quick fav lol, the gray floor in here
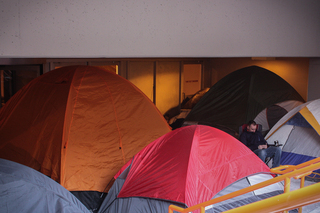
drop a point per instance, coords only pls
(313, 208)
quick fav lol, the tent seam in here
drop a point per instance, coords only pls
(75, 103)
(116, 118)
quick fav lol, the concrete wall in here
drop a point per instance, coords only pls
(176, 28)
(149, 28)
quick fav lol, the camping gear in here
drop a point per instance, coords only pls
(299, 132)
(23, 189)
(253, 196)
(240, 96)
(78, 125)
(190, 102)
(184, 167)
(272, 114)
(187, 104)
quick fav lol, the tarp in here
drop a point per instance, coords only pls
(23, 189)
(188, 166)
(78, 125)
(240, 96)
(299, 132)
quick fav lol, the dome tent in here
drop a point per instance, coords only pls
(22, 189)
(240, 96)
(299, 132)
(268, 117)
(247, 198)
(186, 166)
(78, 125)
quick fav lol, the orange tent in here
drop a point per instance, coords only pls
(78, 125)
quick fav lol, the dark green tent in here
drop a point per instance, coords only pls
(240, 96)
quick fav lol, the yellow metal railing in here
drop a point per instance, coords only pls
(286, 201)
(288, 171)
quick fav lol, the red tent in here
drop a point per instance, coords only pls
(188, 165)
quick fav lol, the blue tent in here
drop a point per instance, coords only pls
(23, 189)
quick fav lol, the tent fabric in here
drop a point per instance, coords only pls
(298, 131)
(91, 199)
(23, 189)
(190, 102)
(132, 204)
(256, 195)
(139, 205)
(188, 165)
(240, 96)
(183, 114)
(187, 104)
(78, 125)
(269, 116)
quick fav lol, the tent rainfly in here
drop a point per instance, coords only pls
(240, 96)
(253, 196)
(268, 117)
(186, 166)
(78, 125)
(23, 189)
(299, 132)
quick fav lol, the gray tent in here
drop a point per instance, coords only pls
(299, 132)
(254, 196)
(268, 117)
(23, 189)
(113, 204)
